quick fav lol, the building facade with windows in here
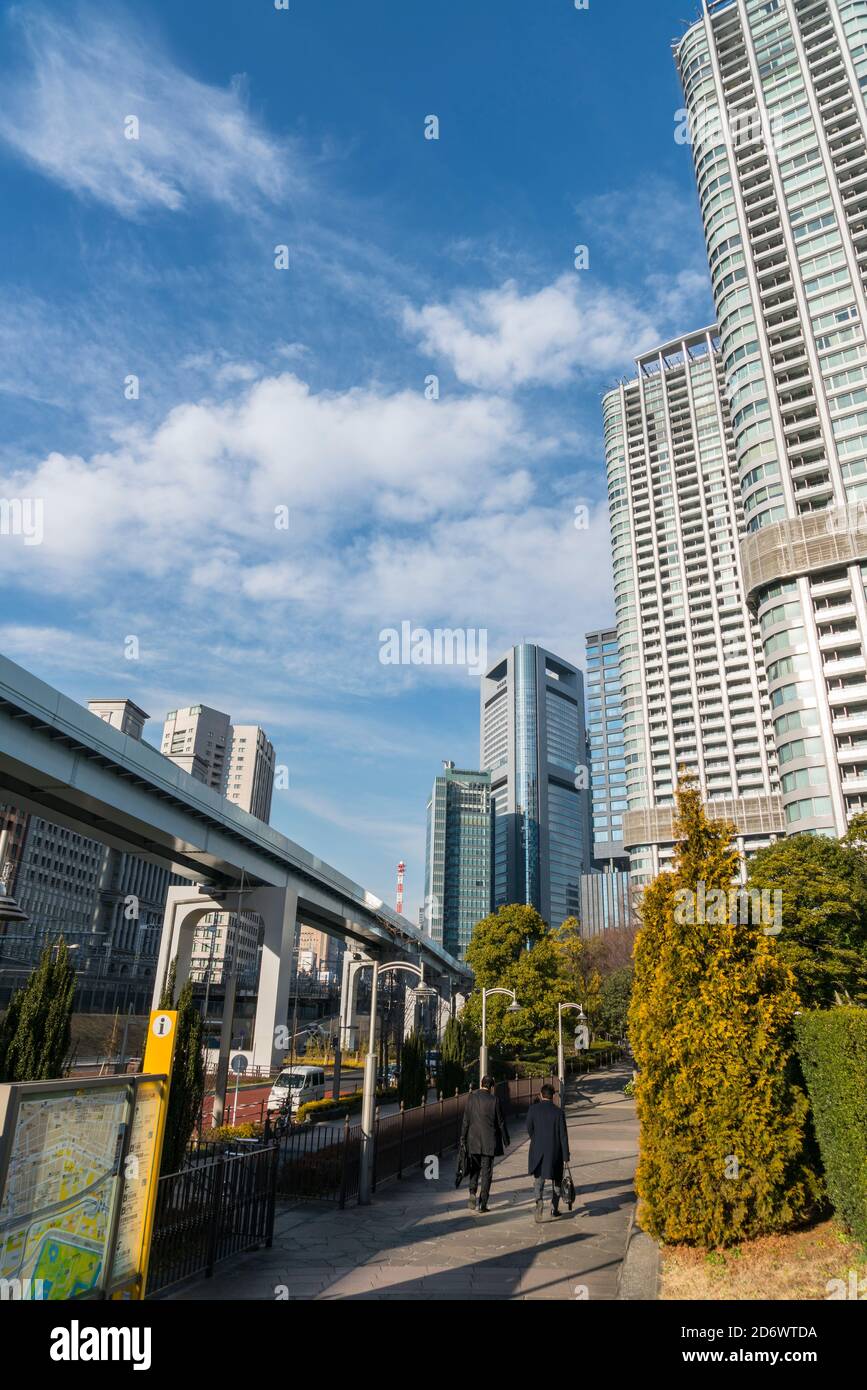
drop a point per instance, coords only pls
(694, 693)
(107, 904)
(534, 745)
(775, 91)
(236, 760)
(458, 857)
(607, 755)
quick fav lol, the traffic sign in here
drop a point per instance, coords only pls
(239, 1064)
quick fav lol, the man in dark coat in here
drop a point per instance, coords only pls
(549, 1148)
(484, 1135)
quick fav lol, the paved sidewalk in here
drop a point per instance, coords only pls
(418, 1240)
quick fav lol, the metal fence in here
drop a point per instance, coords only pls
(210, 1210)
(322, 1162)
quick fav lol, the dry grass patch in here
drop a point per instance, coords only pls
(796, 1266)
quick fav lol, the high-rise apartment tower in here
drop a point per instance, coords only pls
(691, 666)
(775, 95)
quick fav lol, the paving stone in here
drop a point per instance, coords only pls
(418, 1241)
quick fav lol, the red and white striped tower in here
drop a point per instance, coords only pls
(401, 870)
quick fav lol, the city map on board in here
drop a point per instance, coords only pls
(61, 1184)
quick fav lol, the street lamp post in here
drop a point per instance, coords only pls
(513, 1008)
(368, 1103)
(561, 1055)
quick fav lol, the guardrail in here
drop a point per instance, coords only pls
(209, 1211)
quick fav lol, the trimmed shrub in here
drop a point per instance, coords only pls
(321, 1109)
(228, 1132)
(832, 1045)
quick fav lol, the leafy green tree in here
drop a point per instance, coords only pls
(500, 938)
(36, 1029)
(412, 1083)
(579, 974)
(514, 949)
(724, 1148)
(614, 996)
(823, 895)
(453, 1055)
(187, 1088)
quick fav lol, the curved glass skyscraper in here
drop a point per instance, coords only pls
(775, 97)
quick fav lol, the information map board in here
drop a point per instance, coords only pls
(78, 1168)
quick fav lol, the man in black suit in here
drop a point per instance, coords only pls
(549, 1148)
(484, 1135)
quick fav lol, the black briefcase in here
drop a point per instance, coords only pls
(567, 1188)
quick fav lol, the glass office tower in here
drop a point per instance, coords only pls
(533, 742)
(607, 756)
(775, 95)
(458, 863)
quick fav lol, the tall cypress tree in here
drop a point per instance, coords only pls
(452, 1074)
(188, 1073)
(37, 1027)
(724, 1152)
(412, 1086)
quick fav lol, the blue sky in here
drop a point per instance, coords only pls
(304, 388)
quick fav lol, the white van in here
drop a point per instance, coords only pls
(298, 1084)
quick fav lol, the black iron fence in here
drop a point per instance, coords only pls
(214, 1208)
(223, 1201)
(322, 1162)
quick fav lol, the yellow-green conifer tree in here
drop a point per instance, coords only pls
(724, 1149)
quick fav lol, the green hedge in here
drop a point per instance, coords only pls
(832, 1045)
(346, 1105)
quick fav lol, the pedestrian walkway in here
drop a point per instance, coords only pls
(418, 1240)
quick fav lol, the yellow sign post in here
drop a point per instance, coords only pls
(158, 1059)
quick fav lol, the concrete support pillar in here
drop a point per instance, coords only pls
(278, 908)
(184, 910)
(349, 1002)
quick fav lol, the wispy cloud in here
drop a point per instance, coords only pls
(65, 109)
(578, 326)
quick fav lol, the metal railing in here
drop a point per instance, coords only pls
(209, 1211)
(223, 1201)
(321, 1162)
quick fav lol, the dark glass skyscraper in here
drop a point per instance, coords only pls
(607, 757)
(533, 744)
(458, 862)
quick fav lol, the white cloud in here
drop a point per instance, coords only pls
(399, 508)
(64, 111)
(197, 495)
(502, 339)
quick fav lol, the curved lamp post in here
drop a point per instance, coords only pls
(514, 1008)
(368, 1103)
(561, 1056)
